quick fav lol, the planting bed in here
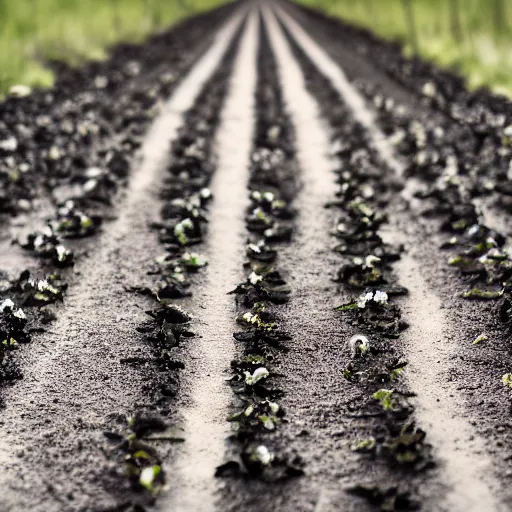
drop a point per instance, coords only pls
(260, 262)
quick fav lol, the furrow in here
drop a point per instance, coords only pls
(263, 342)
(74, 376)
(457, 445)
(101, 140)
(464, 130)
(345, 421)
(206, 396)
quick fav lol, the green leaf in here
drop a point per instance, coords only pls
(385, 398)
(141, 454)
(347, 307)
(364, 445)
(480, 338)
(507, 379)
(348, 374)
(478, 294)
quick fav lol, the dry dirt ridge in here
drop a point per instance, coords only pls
(261, 262)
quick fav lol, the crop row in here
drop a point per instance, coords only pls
(375, 363)
(257, 414)
(183, 225)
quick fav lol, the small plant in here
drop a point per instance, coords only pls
(507, 379)
(386, 398)
(364, 445)
(480, 338)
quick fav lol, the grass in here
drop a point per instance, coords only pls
(33, 31)
(470, 36)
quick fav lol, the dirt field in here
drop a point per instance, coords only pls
(261, 262)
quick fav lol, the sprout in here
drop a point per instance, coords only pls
(180, 230)
(255, 319)
(478, 294)
(364, 445)
(254, 248)
(371, 260)
(15, 312)
(395, 373)
(249, 317)
(86, 222)
(63, 255)
(19, 313)
(260, 214)
(385, 398)
(193, 260)
(359, 345)
(480, 338)
(258, 375)
(507, 379)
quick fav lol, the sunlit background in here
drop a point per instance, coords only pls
(471, 36)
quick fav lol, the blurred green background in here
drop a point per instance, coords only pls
(472, 36)
(32, 31)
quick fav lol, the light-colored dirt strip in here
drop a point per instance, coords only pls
(309, 314)
(50, 428)
(338, 78)
(192, 484)
(464, 465)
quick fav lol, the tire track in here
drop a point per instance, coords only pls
(461, 451)
(51, 425)
(207, 396)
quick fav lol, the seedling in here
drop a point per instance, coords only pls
(386, 398)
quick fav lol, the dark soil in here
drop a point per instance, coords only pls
(361, 360)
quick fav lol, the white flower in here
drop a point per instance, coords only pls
(259, 374)
(363, 299)
(371, 260)
(359, 344)
(429, 89)
(7, 303)
(19, 313)
(262, 454)
(380, 297)
(255, 278)
(10, 144)
(20, 90)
